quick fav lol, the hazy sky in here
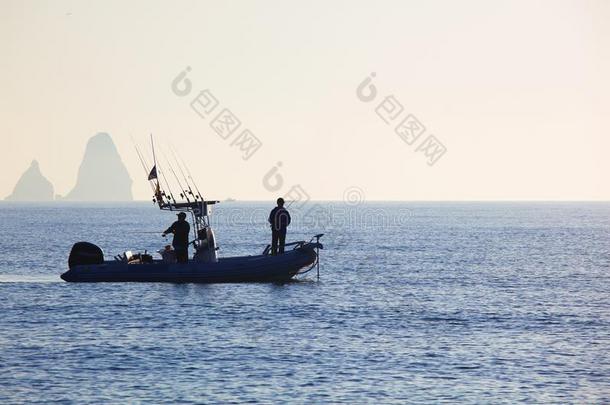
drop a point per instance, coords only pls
(517, 91)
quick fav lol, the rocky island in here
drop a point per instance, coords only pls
(32, 186)
(102, 176)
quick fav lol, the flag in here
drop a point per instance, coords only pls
(153, 173)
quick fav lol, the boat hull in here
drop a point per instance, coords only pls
(244, 269)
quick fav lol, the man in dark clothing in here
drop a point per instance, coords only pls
(279, 218)
(180, 229)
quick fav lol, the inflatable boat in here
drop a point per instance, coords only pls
(87, 264)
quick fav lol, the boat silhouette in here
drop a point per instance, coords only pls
(87, 263)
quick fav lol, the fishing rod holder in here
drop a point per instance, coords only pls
(196, 208)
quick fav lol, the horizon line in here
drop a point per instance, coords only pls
(273, 201)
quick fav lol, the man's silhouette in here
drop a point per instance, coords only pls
(279, 218)
(180, 229)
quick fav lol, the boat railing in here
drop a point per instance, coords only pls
(316, 246)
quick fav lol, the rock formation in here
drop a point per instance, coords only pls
(102, 176)
(32, 186)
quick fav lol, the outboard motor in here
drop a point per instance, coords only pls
(205, 247)
(212, 246)
(85, 253)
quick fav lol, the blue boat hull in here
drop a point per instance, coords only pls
(243, 269)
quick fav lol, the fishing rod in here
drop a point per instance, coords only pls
(185, 192)
(169, 196)
(190, 190)
(182, 172)
(205, 221)
(190, 177)
(182, 194)
(145, 232)
(154, 189)
(146, 171)
(144, 166)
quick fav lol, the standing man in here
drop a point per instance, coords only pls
(279, 218)
(180, 229)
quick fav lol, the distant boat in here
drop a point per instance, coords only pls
(87, 264)
(230, 200)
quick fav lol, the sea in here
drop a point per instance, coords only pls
(416, 302)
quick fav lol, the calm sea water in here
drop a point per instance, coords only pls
(417, 302)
